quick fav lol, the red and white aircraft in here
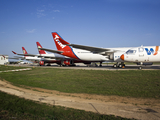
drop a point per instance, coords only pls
(53, 58)
(29, 57)
(87, 53)
(43, 57)
(61, 59)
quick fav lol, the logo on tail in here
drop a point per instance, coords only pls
(56, 38)
(24, 50)
(39, 46)
(61, 45)
(151, 51)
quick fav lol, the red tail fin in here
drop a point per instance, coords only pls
(59, 41)
(24, 51)
(61, 46)
(39, 46)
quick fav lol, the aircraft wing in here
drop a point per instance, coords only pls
(50, 50)
(27, 55)
(24, 54)
(90, 48)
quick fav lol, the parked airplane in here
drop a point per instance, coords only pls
(61, 59)
(144, 55)
(53, 58)
(43, 57)
(88, 53)
(29, 57)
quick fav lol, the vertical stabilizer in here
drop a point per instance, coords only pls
(39, 46)
(24, 51)
(60, 43)
(61, 46)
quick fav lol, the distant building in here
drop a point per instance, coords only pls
(3, 59)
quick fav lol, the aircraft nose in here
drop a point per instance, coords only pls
(122, 57)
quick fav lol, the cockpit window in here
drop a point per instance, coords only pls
(131, 52)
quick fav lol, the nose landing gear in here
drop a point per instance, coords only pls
(140, 67)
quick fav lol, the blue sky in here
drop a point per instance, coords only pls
(100, 23)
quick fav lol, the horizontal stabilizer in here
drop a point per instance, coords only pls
(14, 52)
(24, 54)
(27, 54)
(50, 50)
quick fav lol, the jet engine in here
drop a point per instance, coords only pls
(41, 63)
(116, 56)
(68, 62)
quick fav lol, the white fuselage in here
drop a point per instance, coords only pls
(29, 58)
(143, 54)
(45, 57)
(90, 56)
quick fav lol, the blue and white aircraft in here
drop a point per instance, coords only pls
(142, 55)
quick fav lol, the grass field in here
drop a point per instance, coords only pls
(3, 67)
(15, 108)
(133, 83)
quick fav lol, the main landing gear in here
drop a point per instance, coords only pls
(119, 64)
(140, 68)
(94, 64)
(100, 65)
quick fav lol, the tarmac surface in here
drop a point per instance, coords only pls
(103, 67)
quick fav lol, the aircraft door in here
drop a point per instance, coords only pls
(141, 52)
(141, 57)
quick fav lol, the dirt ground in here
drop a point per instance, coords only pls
(138, 108)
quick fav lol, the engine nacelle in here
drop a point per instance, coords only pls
(68, 62)
(117, 56)
(111, 56)
(41, 63)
